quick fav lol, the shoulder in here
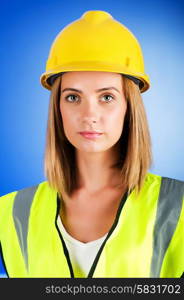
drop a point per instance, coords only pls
(24, 195)
(18, 204)
(169, 192)
(163, 188)
(11, 195)
(170, 181)
(44, 185)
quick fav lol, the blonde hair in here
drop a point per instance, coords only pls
(135, 144)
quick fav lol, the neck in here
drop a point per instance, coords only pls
(95, 171)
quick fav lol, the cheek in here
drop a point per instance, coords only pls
(68, 118)
(116, 116)
(65, 116)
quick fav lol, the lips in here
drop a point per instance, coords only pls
(90, 134)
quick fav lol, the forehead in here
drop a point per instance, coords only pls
(92, 78)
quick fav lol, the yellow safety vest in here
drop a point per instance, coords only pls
(146, 239)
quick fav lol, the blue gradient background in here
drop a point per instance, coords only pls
(28, 29)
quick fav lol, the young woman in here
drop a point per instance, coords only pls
(100, 213)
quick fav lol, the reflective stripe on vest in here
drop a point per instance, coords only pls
(21, 212)
(170, 200)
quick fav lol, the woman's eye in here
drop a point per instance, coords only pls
(72, 97)
(107, 97)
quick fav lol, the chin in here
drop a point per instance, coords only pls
(91, 148)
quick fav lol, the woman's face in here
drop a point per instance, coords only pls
(96, 103)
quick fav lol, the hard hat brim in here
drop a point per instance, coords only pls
(94, 66)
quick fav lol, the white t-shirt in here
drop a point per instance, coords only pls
(81, 254)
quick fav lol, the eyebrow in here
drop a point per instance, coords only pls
(97, 91)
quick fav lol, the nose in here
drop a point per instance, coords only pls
(90, 112)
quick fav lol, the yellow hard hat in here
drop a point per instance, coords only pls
(96, 42)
